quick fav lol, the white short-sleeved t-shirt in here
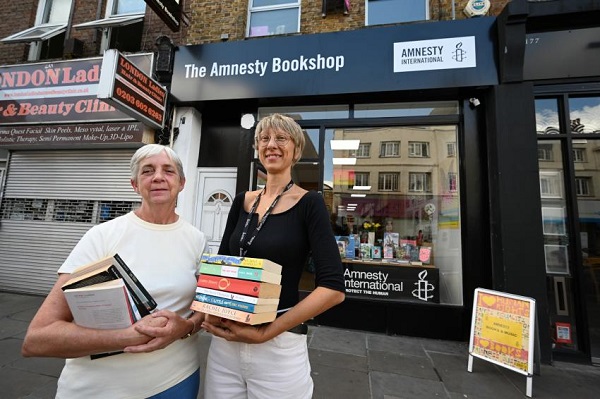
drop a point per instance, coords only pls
(164, 258)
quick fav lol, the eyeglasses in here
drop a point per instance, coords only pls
(280, 139)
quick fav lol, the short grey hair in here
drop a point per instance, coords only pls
(150, 150)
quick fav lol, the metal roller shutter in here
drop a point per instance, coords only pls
(51, 199)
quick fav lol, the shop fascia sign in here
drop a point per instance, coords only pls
(169, 11)
(333, 63)
(132, 91)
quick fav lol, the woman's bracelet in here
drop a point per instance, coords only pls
(193, 330)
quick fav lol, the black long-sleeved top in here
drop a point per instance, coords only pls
(288, 238)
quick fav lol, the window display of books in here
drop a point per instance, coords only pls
(238, 288)
(392, 249)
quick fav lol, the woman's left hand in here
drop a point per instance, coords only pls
(238, 332)
(163, 335)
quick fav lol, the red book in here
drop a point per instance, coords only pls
(245, 287)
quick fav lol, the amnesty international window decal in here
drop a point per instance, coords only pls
(503, 331)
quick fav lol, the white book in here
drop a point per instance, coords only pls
(104, 306)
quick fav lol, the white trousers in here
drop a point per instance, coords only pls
(278, 368)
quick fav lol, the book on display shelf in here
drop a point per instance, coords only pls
(239, 286)
(244, 261)
(233, 314)
(112, 268)
(237, 297)
(238, 305)
(244, 273)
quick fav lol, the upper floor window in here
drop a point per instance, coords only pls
(551, 184)
(121, 26)
(389, 181)
(273, 17)
(363, 151)
(451, 149)
(418, 149)
(583, 186)
(379, 12)
(390, 149)
(578, 154)
(545, 152)
(361, 179)
(452, 181)
(419, 182)
(47, 35)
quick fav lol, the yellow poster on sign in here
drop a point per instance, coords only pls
(502, 330)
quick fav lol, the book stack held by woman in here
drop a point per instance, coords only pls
(238, 288)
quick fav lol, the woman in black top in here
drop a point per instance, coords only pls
(285, 224)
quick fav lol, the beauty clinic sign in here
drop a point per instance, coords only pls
(129, 89)
(57, 92)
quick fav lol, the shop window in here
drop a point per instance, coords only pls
(451, 150)
(310, 112)
(122, 26)
(273, 17)
(390, 110)
(389, 181)
(395, 234)
(72, 211)
(419, 182)
(389, 229)
(583, 186)
(418, 149)
(380, 12)
(24, 209)
(389, 149)
(545, 152)
(108, 210)
(578, 154)
(584, 115)
(546, 116)
(63, 211)
(48, 34)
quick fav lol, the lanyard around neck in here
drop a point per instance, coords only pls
(245, 245)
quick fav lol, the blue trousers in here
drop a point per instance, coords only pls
(186, 389)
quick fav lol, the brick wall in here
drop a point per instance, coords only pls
(19, 16)
(209, 20)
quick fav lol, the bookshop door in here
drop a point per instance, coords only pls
(215, 193)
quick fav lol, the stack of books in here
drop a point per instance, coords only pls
(105, 294)
(238, 288)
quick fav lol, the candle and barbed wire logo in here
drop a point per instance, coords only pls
(424, 290)
(459, 55)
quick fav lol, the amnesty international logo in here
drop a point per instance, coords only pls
(437, 54)
(425, 289)
(459, 54)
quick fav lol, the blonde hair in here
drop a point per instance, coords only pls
(285, 124)
(150, 150)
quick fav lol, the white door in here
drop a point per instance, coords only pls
(216, 191)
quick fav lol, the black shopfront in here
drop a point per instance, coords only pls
(422, 152)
